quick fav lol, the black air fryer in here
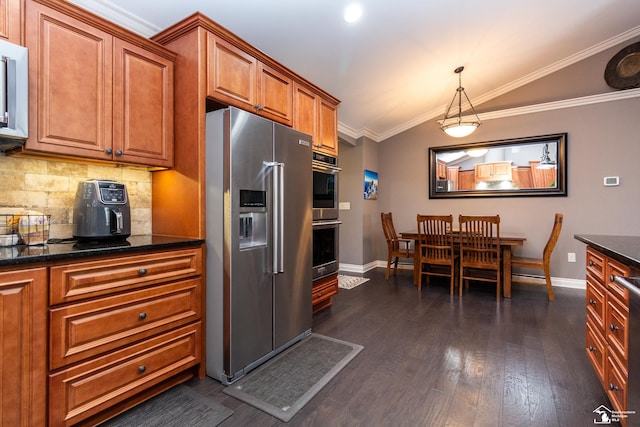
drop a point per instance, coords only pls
(101, 211)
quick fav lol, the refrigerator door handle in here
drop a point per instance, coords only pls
(278, 220)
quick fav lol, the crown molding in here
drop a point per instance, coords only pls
(557, 105)
(117, 15)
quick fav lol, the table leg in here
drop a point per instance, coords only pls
(416, 263)
(506, 271)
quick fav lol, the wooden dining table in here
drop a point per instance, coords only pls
(507, 242)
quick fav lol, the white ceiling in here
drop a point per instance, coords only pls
(394, 68)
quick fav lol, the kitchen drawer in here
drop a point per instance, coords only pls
(617, 328)
(324, 291)
(88, 388)
(595, 301)
(87, 329)
(616, 269)
(596, 351)
(73, 282)
(596, 264)
(616, 386)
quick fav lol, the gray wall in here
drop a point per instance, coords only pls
(603, 140)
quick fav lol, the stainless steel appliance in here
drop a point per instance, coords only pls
(14, 95)
(101, 211)
(325, 187)
(325, 247)
(258, 233)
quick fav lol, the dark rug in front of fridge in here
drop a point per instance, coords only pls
(179, 406)
(284, 384)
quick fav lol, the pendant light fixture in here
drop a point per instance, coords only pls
(452, 124)
(545, 160)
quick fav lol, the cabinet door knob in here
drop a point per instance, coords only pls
(591, 263)
(118, 152)
(592, 348)
(142, 316)
(613, 327)
(108, 151)
(592, 302)
(143, 271)
(142, 368)
(613, 387)
(612, 278)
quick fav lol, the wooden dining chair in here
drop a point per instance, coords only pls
(480, 250)
(396, 247)
(436, 253)
(540, 263)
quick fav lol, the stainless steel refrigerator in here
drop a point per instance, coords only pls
(259, 241)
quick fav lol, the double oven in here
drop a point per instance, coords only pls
(325, 215)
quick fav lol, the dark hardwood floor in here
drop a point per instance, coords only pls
(432, 359)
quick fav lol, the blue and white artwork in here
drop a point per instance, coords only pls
(370, 185)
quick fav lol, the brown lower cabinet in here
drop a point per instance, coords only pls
(322, 292)
(120, 330)
(607, 327)
(23, 347)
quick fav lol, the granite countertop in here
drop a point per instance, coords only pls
(625, 249)
(22, 255)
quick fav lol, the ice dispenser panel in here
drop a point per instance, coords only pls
(253, 219)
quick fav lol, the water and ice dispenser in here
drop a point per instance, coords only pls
(253, 219)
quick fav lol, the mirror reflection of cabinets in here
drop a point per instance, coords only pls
(524, 166)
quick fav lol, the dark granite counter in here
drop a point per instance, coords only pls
(625, 249)
(24, 255)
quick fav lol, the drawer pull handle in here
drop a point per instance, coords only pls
(614, 327)
(612, 278)
(143, 271)
(591, 263)
(142, 368)
(592, 302)
(142, 316)
(592, 348)
(613, 387)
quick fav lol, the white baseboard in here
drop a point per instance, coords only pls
(560, 282)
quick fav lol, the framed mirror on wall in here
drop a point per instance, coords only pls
(530, 166)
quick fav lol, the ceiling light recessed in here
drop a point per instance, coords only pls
(353, 12)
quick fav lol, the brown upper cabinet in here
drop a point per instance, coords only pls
(96, 91)
(11, 21)
(318, 116)
(236, 78)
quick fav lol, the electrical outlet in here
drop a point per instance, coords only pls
(571, 257)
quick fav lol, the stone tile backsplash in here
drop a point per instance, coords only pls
(49, 186)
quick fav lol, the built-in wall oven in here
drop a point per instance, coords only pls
(325, 248)
(325, 187)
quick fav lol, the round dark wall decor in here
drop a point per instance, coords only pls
(623, 70)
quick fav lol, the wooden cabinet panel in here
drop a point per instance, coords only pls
(495, 171)
(617, 328)
(93, 327)
(616, 384)
(90, 387)
(231, 73)
(72, 282)
(596, 303)
(70, 77)
(595, 264)
(595, 347)
(322, 292)
(613, 269)
(275, 91)
(317, 117)
(235, 77)
(11, 21)
(23, 347)
(93, 95)
(143, 106)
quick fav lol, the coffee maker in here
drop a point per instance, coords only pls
(101, 211)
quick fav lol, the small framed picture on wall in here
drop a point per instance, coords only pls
(370, 185)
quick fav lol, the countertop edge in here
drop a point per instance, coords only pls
(625, 249)
(65, 251)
